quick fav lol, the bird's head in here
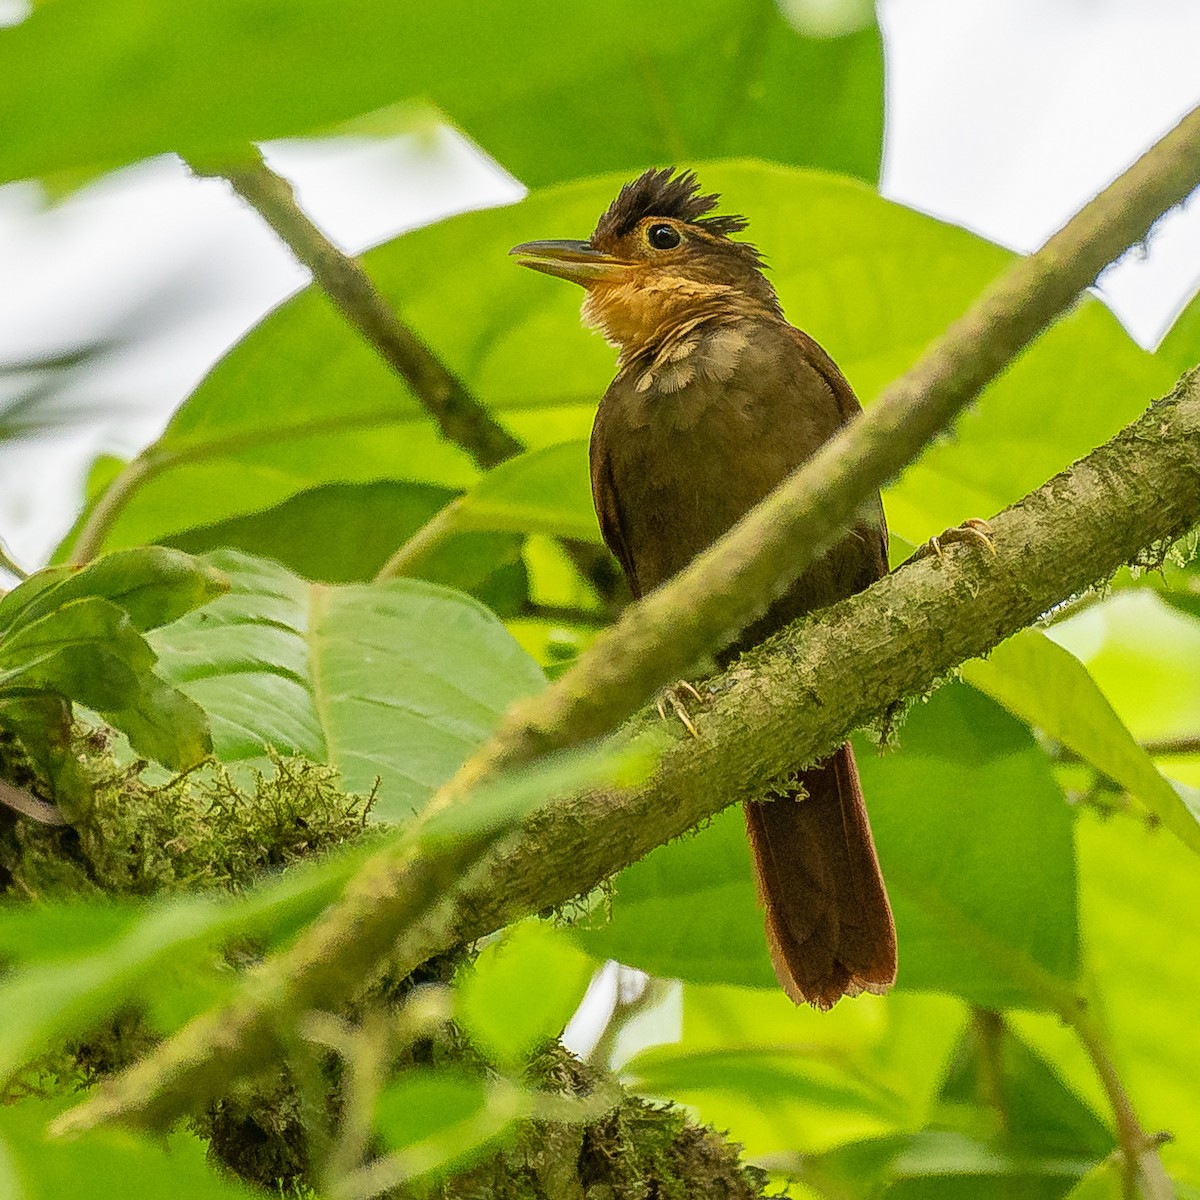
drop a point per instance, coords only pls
(655, 262)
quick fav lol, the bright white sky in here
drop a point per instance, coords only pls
(1003, 116)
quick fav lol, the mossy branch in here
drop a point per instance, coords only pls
(788, 702)
(728, 586)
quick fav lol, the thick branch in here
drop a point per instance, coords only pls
(729, 585)
(788, 702)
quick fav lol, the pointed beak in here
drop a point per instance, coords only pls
(576, 261)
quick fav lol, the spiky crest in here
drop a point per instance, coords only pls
(657, 194)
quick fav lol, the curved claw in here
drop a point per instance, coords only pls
(671, 695)
(974, 530)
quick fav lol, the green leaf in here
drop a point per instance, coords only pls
(1106, 1182)
(771, 1075)
(89, 83)
(867, 1067)
(153, 584)
(398, 680)
(688, 911)
(102, 1163)
(541, 491)
(37, 933)
(521, 991)
(936, 1164)
(1142, 654)
(672, 99)
(975, 841)
(163, 724)
(1180, 349)
(87, 650)
(870, 280)
(1046, 685)
(1040, 1114)
(113, 959)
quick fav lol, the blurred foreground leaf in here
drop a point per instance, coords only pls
(103, 1163)
(552, 91)
(521, 991)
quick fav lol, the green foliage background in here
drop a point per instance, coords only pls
(1035, 850)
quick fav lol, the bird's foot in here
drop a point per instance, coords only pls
(675, 696)
(974, 531)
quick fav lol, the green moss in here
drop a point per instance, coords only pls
(142, 835)
(636, 1151)
(195, 831)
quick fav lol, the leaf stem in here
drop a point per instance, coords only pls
(160, 456)
(1142, 1171)
(439, 527)
(7, 564)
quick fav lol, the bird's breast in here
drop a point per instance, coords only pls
(695, 436)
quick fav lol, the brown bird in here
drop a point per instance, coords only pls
(717, 399)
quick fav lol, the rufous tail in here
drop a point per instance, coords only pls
(829, 924)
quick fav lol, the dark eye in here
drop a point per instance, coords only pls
(663, 237)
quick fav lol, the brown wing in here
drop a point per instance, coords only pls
(828, 921)
(874, 532)
(608, 508)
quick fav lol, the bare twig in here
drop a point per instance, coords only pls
(1142, 1174)
(460, 417)
(28, 805)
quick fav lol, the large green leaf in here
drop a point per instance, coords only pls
(1049, 687)
(303, 402)
(399, 680)
(681, 100)
(975, 838)
(975, 841)
(552, 90)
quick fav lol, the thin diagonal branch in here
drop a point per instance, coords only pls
(787, 703)
(459, 415)
(732, 583)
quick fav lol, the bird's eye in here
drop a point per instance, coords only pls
(663, 237)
